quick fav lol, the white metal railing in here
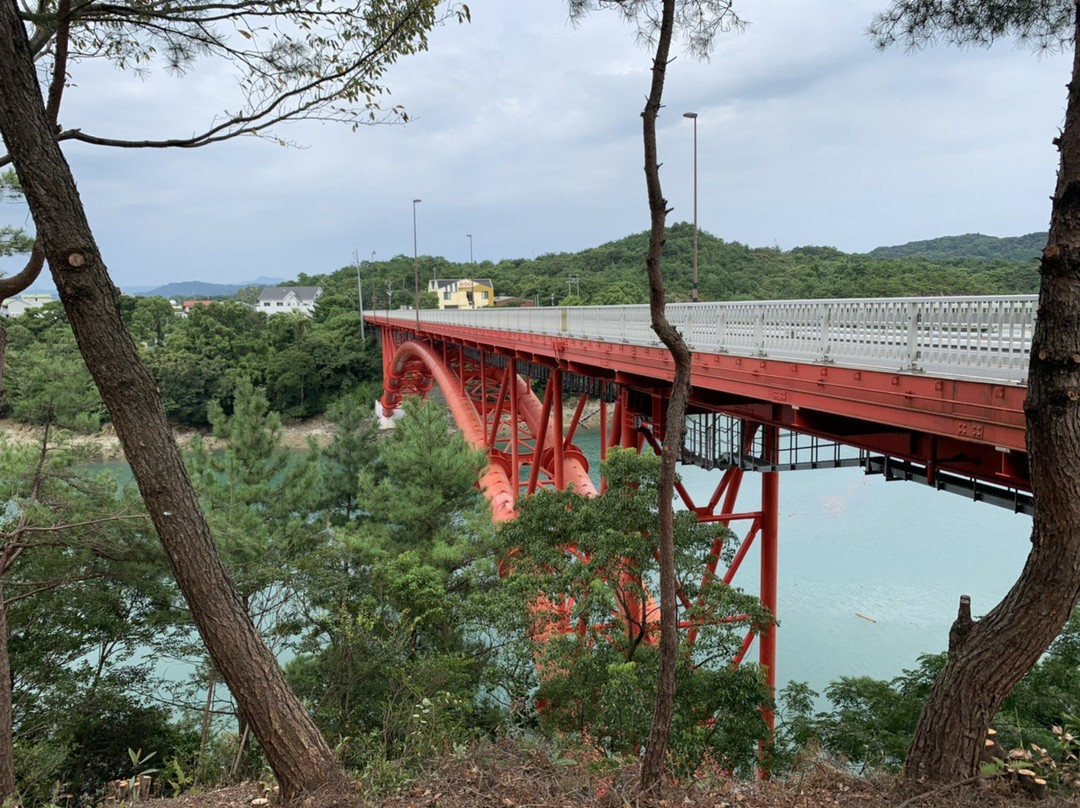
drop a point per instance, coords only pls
(972, 337)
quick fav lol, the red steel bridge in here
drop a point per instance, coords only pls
(923, 389)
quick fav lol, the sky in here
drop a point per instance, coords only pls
(525, 132)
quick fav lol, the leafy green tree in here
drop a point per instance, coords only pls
(1046, 695)
(257, 496)
(45, 322)
(620, 293)
(399, 651)
(205, 356)
(48, 383)
(871, 722)
(351, 451)
(330, 304)
(152, 319)
(293, 382)
(582, 566)
(314, 361)
(427, 481)
(77, 563)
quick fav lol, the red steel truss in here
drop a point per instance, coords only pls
(969, 428)
(527, 441)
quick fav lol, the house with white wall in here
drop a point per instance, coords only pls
(283, 299)
(15, 306)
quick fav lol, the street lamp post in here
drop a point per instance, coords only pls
(415, 266)
(374, 291)
(359, 291)
(469, 237)
(694, 293)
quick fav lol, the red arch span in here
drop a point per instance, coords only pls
(400, 377)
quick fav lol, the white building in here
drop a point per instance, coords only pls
(281, 299)
(15, 306)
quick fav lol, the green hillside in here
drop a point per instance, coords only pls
(971, 245)
(614, 273)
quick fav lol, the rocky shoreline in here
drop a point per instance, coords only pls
(294, 435)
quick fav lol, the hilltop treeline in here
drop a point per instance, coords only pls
(613, 273)
(306, 363)
(1023, 249)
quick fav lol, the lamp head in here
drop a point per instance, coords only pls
(689, 115)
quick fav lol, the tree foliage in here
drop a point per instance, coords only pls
(13, 240)
(258, 497)
(397, 648)
(582, 569)
(79, 565)
(870, 722)
(289, 60)
(1042, 24)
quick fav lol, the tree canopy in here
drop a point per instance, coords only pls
(290, 60)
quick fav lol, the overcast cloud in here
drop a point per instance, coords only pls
(525, 132)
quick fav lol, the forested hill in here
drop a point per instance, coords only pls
(972, 245)
(614, 273)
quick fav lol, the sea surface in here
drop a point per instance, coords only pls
(870, 572)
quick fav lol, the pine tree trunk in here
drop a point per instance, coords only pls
(7, 741)
(652, 765)
(987, 658)
(298, 754)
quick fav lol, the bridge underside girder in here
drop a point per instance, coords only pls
(966, 427)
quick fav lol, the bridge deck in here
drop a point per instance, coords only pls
(936, 381)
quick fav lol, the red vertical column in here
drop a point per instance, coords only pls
(628, 437)
(603, 430)
(461, 369)
(388, 347)
(557, 442)
(483, 389)
(515, 433)
(770, 517)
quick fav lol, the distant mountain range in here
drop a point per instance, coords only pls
(198, 289)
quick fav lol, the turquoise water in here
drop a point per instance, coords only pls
(898, 553)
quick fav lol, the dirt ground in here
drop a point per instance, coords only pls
(501, 775)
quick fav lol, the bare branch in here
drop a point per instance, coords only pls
(21, 281)
(697, 22)
(60, 60)
(47, 586)
(327, 69)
